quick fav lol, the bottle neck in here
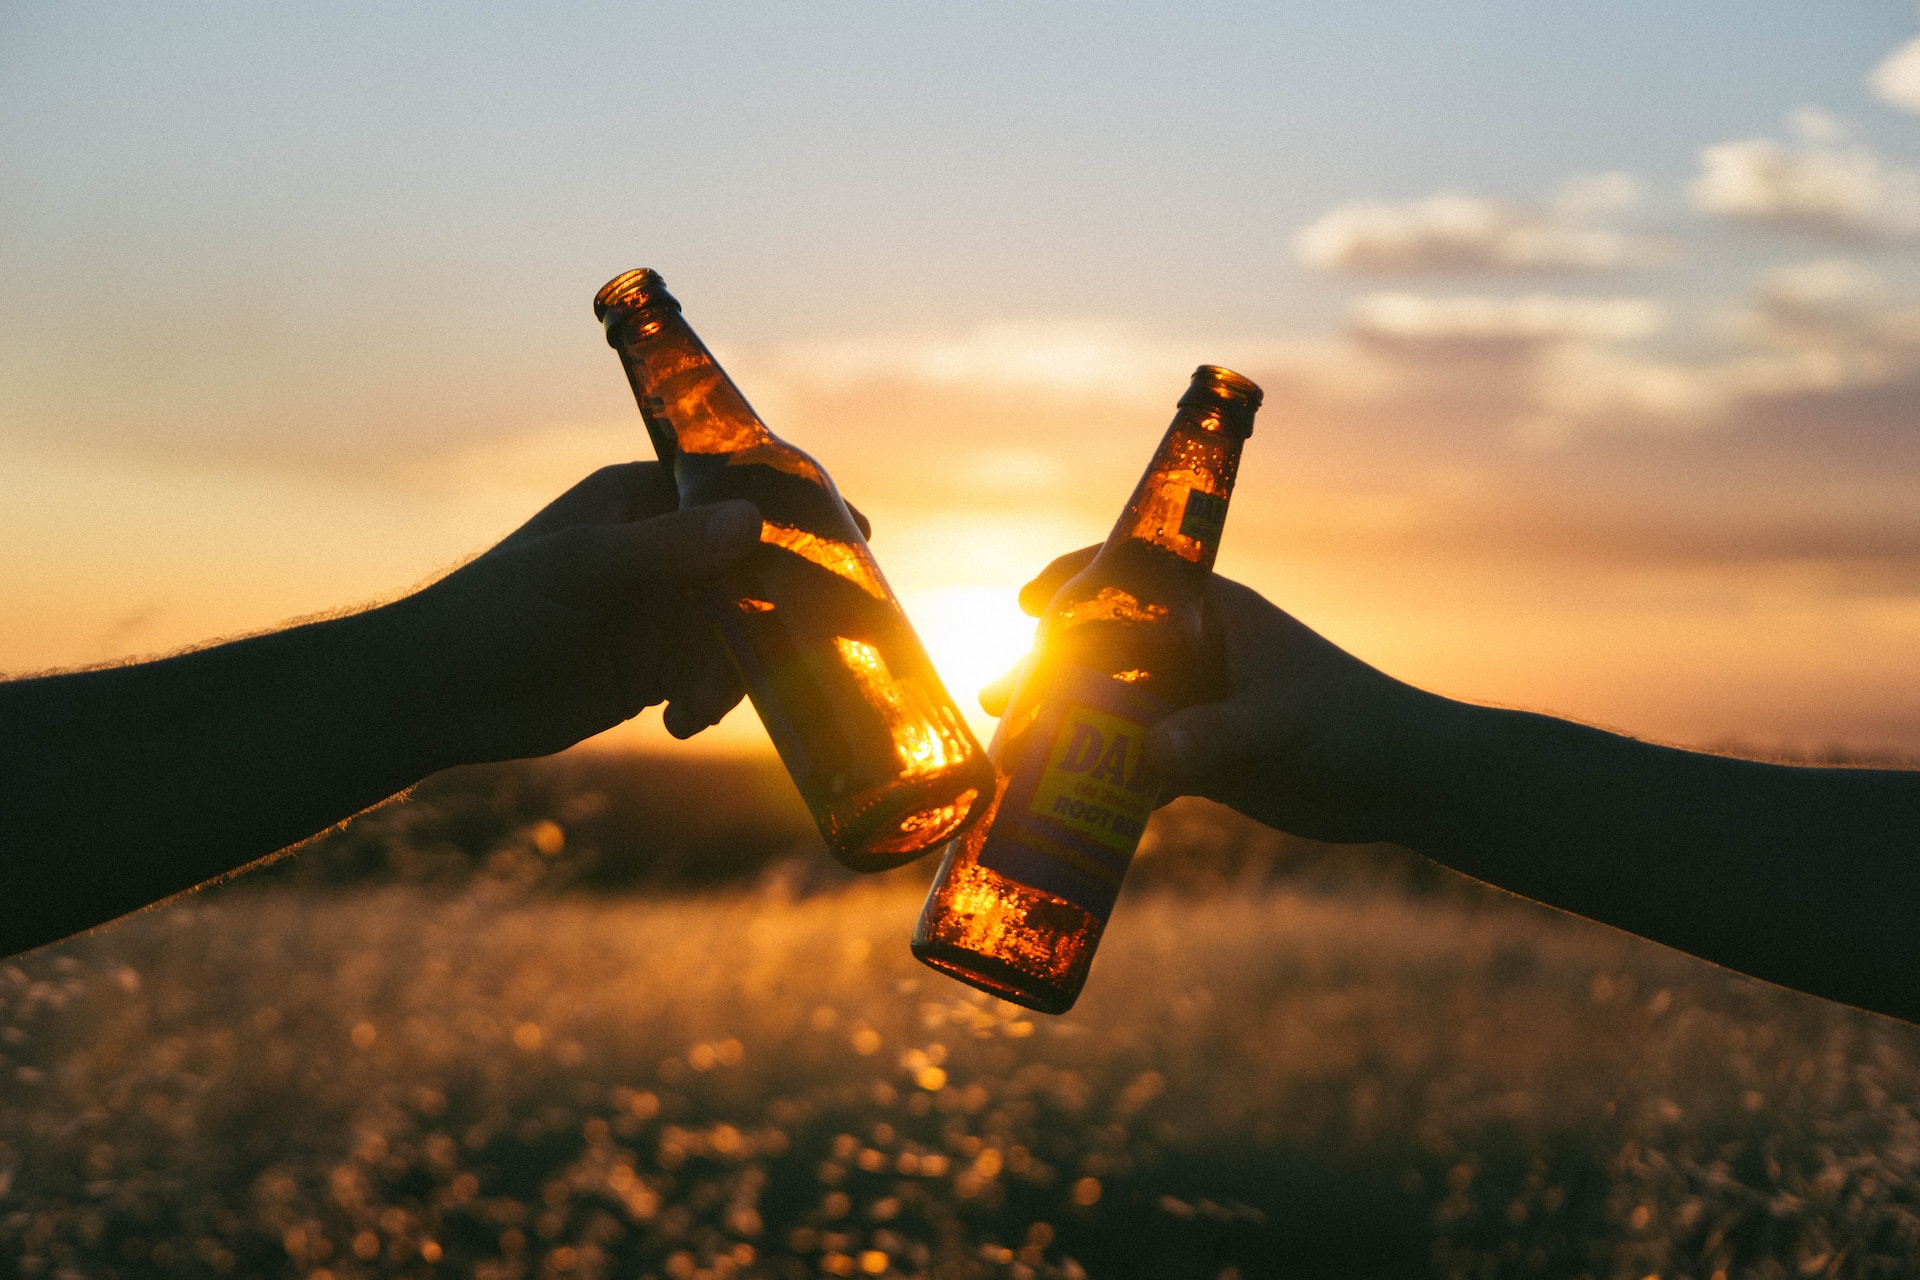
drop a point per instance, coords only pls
(687, 400)
(1180, 504)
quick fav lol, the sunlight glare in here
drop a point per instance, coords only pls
(973, 634)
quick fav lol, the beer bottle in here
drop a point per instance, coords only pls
(1020, 900)
(861, 721)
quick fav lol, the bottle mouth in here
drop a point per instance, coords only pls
(1232, 395)
(631, 291)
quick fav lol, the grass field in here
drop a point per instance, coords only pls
(1271, 1074)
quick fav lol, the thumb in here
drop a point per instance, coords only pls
(1035, 595)
(998, 692)
(1193, 749)
(687, 544)
(587, 562)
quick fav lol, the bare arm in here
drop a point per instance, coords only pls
(1808, 877)
(125, 785)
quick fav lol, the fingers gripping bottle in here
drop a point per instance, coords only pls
(862, 723)
(1020, 901)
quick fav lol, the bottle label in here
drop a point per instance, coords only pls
(1204, 518)
(1078, 794)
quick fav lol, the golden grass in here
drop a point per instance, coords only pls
(398, 1082)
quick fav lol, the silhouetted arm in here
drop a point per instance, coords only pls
(124, 785)
(1808, 877)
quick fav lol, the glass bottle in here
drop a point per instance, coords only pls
(870, 736)
(1021, 899)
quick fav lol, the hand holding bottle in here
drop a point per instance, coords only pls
(1804, 876)
(580, 619)
(875, 745)
(1309, 738)
(122, 785)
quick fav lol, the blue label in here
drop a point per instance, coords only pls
(1078, 793)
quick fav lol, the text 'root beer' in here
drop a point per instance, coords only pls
(873, 741)
(1020, 900)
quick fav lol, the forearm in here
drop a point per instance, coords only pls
(125, 785)
(1809, 877)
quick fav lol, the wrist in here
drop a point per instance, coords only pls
(1437, 747)
(409, 703)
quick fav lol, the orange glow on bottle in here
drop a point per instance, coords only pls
(1021, 898)
(869, 734)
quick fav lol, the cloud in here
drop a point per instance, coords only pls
(1409, 320)
(1825, 352)
(1063, 356)
(1014, 416)
(1897, 79)
(1820, 344)
(1452, 233)
(1817, 124)
(1834, 303)
(1540, 368)
(1819, 186)
(996, 411)
(1829, 341)
(1024, 418)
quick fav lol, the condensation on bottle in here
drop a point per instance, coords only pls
(872, 739)
(1022, 898)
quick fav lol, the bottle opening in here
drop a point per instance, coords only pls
(631, 291)
(1232, 395)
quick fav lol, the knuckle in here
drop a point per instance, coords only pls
(636, 487)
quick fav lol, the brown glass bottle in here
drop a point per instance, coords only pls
(1020, 900)
(860, 719)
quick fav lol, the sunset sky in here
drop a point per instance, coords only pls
(1591, 334)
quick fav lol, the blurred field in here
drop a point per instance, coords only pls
(422, 1047)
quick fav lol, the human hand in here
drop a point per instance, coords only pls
(1309, 739)
(578, 620)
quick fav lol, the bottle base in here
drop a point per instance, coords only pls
(891, 830)
(995, 977)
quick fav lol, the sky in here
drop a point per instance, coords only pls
(1591, 335)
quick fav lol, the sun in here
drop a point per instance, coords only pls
(973, 634)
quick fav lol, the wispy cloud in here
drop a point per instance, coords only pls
(1835, 305)
(1026, 416)
(1409, 320)
(1821, 342)
(1538, 368)
(1054, 356)
(1821, 185)
(1453, 233)
(1833, 347)
(1897, 79)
